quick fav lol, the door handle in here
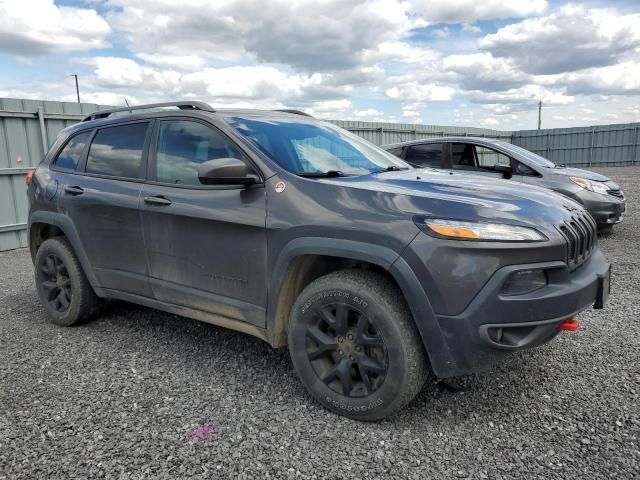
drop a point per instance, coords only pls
(74, 190)
(158, 200)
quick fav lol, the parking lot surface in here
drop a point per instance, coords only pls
(143, 394)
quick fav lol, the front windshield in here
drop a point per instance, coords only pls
(532, 157)
(303, 146)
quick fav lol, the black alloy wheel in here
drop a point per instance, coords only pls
(346, 351)
(56, 282)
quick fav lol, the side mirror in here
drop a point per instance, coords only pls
(506, 170)
(226, 171)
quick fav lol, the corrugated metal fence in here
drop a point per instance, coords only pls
(600, 145)
(386, 133)
(28, 127)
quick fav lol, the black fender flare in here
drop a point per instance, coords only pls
(426, 322)
(65, 224)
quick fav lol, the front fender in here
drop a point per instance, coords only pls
(389, 260)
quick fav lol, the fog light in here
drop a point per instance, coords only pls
(524, 281)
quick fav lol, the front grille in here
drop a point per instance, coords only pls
(580, 232)
(616, 193)
(614, 189)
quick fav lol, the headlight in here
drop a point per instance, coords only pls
(597, 187)
(463, 230)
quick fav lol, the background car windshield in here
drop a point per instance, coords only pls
(532, 157)
(300, 146)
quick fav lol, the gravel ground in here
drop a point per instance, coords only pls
(143, 394)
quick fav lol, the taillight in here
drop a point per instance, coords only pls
(28, 177)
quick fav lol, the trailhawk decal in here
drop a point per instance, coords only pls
(280, 186)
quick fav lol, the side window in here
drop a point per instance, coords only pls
(117, 151)
(463, 156)
(488, 158)
(522, 169)
(425, 155)
(183, 146)
(70, 155)
(396, 151)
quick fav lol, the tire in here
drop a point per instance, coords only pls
(63, 288)
(355, 346)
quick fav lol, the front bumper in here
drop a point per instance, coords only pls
(605, 209)
(494, 324)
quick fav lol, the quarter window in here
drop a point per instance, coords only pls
(183, 146)
(425, 155)
(117, 151)
(488, 158)
(70, 155)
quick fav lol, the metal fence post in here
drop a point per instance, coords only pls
(593, 133)
(43, 131)
(635, 146)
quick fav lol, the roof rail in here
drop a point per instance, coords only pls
(295, 112)
(185, 105)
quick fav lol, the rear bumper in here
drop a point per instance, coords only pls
(492, 325)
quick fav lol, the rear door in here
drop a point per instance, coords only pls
(206, 245)
(101, 198)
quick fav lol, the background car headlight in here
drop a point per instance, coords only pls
(463, 230)
(597, 187)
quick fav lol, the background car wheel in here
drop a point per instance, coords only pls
(62, 286)
(355, 346)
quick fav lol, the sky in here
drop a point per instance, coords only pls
(482, 63)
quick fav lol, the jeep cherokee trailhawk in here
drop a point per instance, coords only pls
(291, 229)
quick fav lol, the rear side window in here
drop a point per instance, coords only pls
(183, 146)
(425, 155)
(117, 151)
(70, 155)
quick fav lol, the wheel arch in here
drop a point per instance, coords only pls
(47, 224)
(303, 260)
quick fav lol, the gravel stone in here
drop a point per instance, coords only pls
(143, 394)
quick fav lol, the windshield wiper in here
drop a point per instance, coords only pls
(327, 174)
(390, 168)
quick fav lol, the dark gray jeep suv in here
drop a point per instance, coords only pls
(288, 228)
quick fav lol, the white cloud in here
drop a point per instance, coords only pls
(621, 79)
(420, 93)
(308, 35)
(470, 11)
(481, 71)
(569, 39)
(38, 27)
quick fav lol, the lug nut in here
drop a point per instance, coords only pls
(340, 352)
(358, 349)
(350, 337)
(352, 358)
(340, 339)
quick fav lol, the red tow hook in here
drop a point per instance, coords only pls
(570, 325)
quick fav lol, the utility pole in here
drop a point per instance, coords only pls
(77, 89)
(539, 114)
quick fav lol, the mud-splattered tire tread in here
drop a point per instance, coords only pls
(378, 289)
(84, 303)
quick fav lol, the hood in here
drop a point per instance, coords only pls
(579, 172)
(448, 194)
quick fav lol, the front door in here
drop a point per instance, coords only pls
(480, 160)
(206, 245)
